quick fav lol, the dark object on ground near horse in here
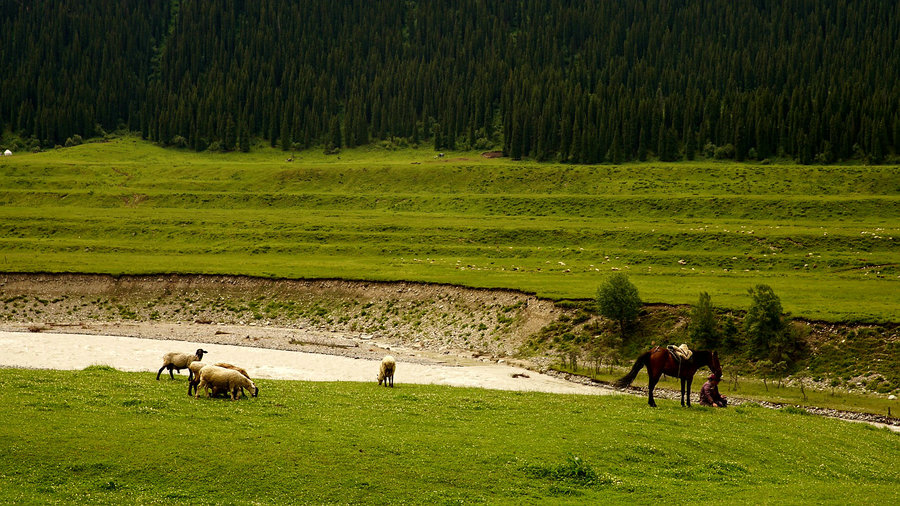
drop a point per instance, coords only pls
(660, 361)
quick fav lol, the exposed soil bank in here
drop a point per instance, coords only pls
(488, 325)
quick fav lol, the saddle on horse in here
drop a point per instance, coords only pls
(680, 352)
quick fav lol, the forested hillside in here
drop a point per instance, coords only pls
(68, 67)
(553, 80)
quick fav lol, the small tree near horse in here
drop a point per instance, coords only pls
(659, 361)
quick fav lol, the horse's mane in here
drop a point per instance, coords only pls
(702, 357)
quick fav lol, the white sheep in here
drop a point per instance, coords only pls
(179, 361)
(194, 377)
(195, 383)
(234, 367)
(386, 373)
(220, 380)
(197, 366)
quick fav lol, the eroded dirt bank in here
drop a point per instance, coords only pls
(322, 316)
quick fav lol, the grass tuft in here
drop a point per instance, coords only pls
(100, 368)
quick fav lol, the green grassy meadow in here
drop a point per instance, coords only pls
(824, 238)
(107, 437)
(756, 390)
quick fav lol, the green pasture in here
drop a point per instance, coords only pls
(825, 238)
(107, 437)
(752, 389)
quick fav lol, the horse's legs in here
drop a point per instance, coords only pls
(689, 381)
(682, 393)
(653, 381)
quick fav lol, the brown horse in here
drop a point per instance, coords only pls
(659, 361)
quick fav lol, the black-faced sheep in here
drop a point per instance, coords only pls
(179, 361)
(386, 373)
(196, 367)
(220, 379)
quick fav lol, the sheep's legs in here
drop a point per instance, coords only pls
(161, 370)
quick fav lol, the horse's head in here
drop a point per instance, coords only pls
(714, 364)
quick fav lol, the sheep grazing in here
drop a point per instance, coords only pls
(179, 361)
(194, 375)
(220, 379)
(386, 373)
(234, 367)
(195, 368)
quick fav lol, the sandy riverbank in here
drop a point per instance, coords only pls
(77, 351)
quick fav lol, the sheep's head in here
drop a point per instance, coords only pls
(254, 389)
(200, 353)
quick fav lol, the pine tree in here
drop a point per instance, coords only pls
(438, 139)
(615, 150)
(244, 142)
(335, 139)
(286, 137)
(690, 146)
(230, 138)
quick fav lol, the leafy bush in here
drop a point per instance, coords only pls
(704, 330)
(725, 152)
(179, 141)
(618, 300)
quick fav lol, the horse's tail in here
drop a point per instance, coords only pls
(639, 364)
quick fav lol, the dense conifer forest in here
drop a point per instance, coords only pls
(571, 81)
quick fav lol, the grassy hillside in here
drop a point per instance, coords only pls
(304, 442)
(825, 238)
